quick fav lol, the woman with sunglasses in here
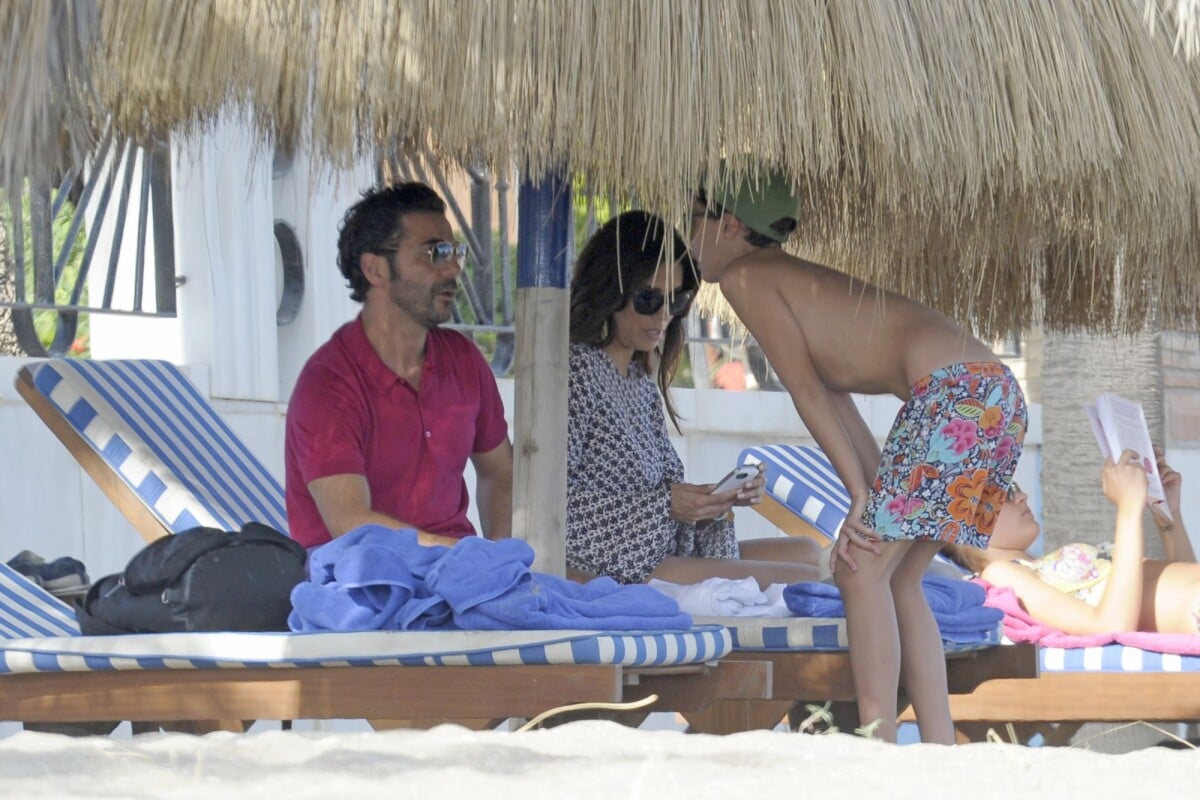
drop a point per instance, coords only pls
(630, 515)
(1081, 589)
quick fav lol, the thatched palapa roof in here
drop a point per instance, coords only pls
(980, 156)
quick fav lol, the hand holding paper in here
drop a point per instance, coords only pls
(1119, 424)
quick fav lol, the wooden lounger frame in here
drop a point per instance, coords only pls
(148, 526)
(421, 696)
(813, 678)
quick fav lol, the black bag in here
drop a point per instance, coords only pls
(200, 579)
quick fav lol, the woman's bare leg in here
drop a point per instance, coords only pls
(677, 569)
(796, 549)
(874, 634)
(923, 662)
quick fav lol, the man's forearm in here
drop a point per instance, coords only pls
(376, 518)
(493, 497)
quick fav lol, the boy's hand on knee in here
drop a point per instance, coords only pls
(853, 534)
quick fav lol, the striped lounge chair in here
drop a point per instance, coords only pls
(50, 673)
(1073, 686)
(153, 444)
(167, 460)
(804, 496)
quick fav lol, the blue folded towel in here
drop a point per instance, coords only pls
(490, 587)
(477, 570)
(375, 578)
(370, 579)
(957, 606)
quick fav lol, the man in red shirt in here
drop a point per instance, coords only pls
(385, 414)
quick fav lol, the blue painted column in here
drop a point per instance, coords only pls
(544, 233)
(544, 220)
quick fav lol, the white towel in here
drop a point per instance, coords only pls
(724, 597)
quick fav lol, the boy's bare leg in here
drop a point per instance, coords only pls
(874, 634)
(922, 659)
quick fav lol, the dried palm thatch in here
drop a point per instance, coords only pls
(975, 155)
(1186, 16)
(44, 127)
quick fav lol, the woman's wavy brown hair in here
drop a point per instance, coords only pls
(621, 258)
(969, 558)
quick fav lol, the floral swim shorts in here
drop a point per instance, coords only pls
(950, 457)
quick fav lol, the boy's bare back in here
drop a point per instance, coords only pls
(859, 338)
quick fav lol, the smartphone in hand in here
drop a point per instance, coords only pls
(735, 479)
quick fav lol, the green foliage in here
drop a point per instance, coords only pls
(818, 721)
(45, 321)
(868, 731)
(602, 209)
(684, 378)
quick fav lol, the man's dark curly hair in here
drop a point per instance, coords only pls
(376, 222)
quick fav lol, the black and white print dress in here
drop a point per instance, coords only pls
(620, 467)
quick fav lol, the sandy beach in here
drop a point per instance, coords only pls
(580, 760)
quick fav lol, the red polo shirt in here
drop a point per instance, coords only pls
(350, 414)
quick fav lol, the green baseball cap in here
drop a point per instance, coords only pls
(759, 201)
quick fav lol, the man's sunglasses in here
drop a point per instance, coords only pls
(441, 252)
(438, 252)
(650, 301)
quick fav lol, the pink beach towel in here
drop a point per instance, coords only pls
(1020, 627)
(1186, 644)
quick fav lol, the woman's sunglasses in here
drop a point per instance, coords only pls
(650, 301)
(1013, 490)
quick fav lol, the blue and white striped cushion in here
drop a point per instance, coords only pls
(783, 633)
(1114, 658)
(802, 479)
(375, 648)
(38, 633)
(27, 610)
(812, 633)
(165, 441)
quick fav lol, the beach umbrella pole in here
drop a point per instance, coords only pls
(542, 323)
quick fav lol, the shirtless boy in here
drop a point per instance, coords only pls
(946, 465)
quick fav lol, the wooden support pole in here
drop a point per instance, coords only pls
(542, 322)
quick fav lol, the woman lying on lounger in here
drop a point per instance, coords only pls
(630, 515)
(1081, 589)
